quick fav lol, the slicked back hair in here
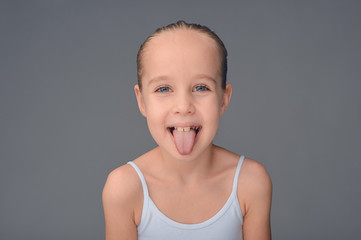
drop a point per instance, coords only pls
(192, 26)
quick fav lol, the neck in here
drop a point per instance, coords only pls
(189, 168)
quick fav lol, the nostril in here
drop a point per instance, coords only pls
(184, 103)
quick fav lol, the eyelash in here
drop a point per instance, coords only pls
(204, 87)
(162, 89)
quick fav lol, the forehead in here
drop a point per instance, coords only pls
(181, 51)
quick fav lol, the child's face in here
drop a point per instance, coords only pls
(181, 97)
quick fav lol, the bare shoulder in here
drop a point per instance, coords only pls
(122, 185)
(255, 195)
(122, 200)
(254, 185)
(254, 177)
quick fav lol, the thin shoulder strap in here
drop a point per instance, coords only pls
(142, 179)
(235, 180)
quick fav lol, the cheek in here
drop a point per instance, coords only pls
(212, 111)
(155, 117)
(155, 127)
(152, 107)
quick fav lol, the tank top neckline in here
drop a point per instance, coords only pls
(149, 204)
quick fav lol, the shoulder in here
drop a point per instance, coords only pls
(254, 173)
(122, 199)
(254, 177)
(122, 184)
(255, 195)
(121, 188)
(254, 184)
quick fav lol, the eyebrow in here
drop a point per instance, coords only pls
(157, 79)
(196, 76)
(205, 76)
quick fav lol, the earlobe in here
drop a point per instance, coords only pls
(140, 101)
(226, 98)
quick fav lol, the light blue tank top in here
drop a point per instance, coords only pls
(224, 225)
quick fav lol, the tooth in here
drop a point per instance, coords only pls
(186, 129)
(180, 129)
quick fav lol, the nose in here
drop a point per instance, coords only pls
(184, 103)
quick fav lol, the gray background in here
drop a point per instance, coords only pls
(69, 114)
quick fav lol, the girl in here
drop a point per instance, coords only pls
(186, 188)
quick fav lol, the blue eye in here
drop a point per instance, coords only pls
(200, 88)
(163, 89)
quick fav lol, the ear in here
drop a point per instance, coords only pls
(140, 100)
(226, 97)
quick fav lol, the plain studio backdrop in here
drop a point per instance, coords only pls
(69, 114)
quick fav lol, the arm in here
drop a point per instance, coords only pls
(258, 193)
(119, 201)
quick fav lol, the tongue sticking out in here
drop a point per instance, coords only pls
(184, 141)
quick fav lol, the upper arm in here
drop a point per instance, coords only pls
(119, 194)
(257, 187)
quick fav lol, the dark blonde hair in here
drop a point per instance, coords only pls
(191, 26)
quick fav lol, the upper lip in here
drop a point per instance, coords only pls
(184, 124)
(193, 125)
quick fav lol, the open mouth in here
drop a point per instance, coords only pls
(184, 129)
(184, 138)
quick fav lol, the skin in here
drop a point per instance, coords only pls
(182, 87)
